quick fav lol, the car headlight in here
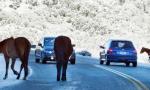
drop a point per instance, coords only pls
(48, 52)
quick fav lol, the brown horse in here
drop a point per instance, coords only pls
(16, 48)
(145, 50)
(63, 50)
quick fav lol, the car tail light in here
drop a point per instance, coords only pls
(110, 51)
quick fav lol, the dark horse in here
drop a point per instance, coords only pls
(16, 48)
(63, 50)
(145, 50)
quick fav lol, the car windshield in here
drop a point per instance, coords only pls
(49, 41)
(121, 44)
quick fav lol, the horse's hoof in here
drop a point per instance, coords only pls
(18, 77)
(4, 78)
(58, 79)
(24, 79)
(16, 73)
(63, 78)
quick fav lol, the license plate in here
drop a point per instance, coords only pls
(122, 53)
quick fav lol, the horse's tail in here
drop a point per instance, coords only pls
(27, 52)
(27, 46)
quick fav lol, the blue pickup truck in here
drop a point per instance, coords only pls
(45, 51)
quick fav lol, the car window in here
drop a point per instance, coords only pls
(49, 41)
(121, 44)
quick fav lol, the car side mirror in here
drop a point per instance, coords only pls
(102, 47)
(33, 46)
(39, 44)
(73, 45)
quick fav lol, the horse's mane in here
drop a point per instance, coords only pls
(145, 48)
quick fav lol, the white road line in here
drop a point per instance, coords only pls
(138, 84)
(30, 71)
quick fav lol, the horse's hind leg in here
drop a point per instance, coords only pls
(64, 71)
(21, 67)
(25, 65)
(7, 66)
(12, 66)
(25, 71)
(58, 66)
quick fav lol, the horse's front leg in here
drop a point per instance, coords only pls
(12, 66)
(7, 66)
(21, 67)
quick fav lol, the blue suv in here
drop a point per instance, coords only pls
(45, 50)
(118, 51)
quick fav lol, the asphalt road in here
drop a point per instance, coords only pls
(84, 75)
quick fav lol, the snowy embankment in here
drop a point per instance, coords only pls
(89, 23)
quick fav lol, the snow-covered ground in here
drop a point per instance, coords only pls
(89, 23)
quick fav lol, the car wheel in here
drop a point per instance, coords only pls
(37, 60)
(72, 61)
(108, 63)
(43, 61)
(101, 62)
(134, 64)
(127, 64)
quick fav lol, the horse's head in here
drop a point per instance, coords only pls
(143, 50)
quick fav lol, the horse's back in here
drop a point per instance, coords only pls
(62, 41)
(63, 47)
